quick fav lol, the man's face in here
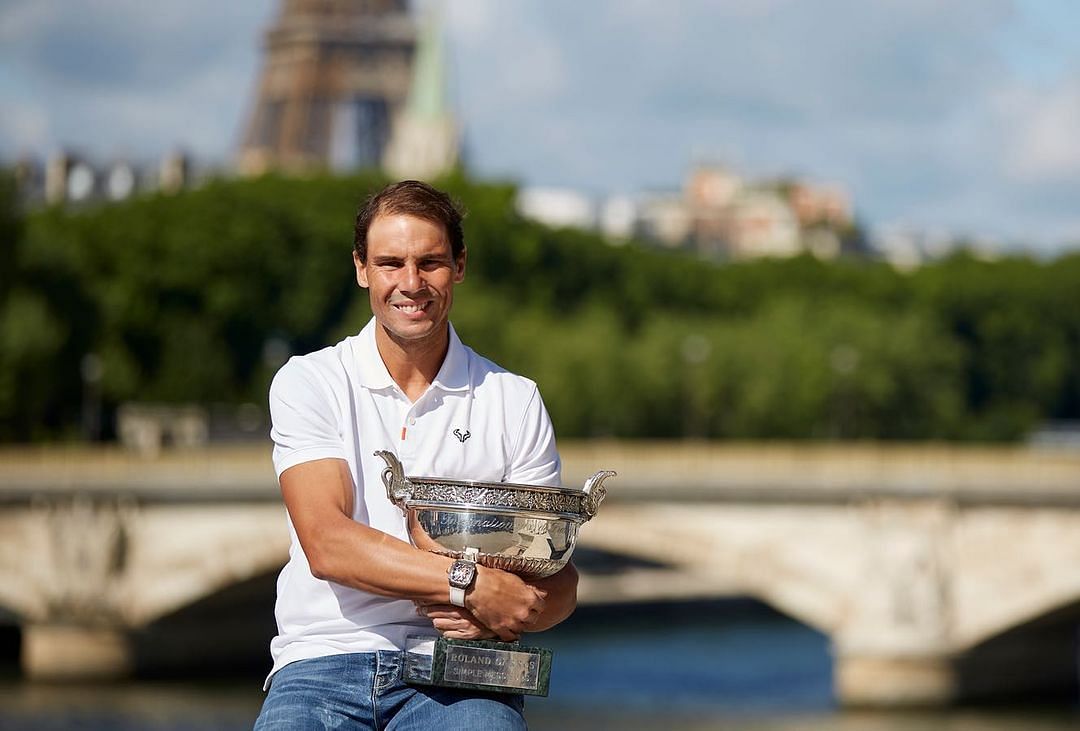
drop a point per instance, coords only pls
(410, 275)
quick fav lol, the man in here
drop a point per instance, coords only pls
(354, 587)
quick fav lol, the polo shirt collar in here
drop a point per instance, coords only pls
(453, 375)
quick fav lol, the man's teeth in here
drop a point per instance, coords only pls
(411, 308)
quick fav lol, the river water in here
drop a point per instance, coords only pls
(701, 666)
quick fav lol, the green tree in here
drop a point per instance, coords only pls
(198, 297)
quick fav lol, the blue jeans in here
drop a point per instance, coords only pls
(364, 691)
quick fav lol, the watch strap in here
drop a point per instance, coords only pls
(457, 596)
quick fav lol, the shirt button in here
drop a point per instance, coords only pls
(412, 420)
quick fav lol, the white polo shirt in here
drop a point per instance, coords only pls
(476, 421)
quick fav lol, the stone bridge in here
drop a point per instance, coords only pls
(936, 572)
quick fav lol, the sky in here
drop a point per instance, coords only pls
(959, 117)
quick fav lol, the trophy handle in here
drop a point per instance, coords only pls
(595, 492)
(398, 487)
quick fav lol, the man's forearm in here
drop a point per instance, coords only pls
(361, 557)
(561, 597)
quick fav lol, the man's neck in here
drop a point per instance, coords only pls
(413, 364)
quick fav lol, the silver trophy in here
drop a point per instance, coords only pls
(529, 530)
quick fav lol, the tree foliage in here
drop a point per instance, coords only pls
(198, 297)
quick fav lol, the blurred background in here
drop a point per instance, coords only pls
(806, 275)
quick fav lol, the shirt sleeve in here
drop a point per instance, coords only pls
(535, 459)
(303, 418)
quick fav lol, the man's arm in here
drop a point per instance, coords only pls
(319, 498)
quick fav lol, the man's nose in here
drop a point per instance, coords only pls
(411, 280)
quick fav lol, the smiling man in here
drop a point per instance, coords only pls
(354, 587)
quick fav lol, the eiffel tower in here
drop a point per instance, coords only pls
(335, 76)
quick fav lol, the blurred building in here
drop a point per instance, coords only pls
(557, 207)
(820, 205)
(736, 219)
(905, 250)
(68, 178)
(149, 428)
(1056, 435)
(760, 223)
(617, 218)
(663, 218)
(717, 214)
(339, 90)
(908, 248)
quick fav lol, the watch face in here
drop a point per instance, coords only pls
(462, 573)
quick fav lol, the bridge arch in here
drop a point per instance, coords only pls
(1032, 610)
(1036, 658)
(800, 564)
(16, 603)
(226, 632)
(183, 554)
(997, 550)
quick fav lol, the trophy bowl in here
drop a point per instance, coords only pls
(526, 529)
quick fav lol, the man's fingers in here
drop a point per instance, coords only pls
(457, 623)
(450, 625)
(444, 611)
(468, 635)
(462, 630)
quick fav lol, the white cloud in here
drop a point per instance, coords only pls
(1043, 128)
(512, 52)
(469, 21)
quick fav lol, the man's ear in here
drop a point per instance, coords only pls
(459, 267)
(361, 271)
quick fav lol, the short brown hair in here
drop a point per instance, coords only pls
(412, 198)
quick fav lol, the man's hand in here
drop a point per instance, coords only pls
(504, 603)
(455, 623)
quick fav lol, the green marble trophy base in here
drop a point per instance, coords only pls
(494, 667)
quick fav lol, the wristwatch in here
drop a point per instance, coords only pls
(462, 573)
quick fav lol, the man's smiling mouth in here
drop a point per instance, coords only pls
(411, 308)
